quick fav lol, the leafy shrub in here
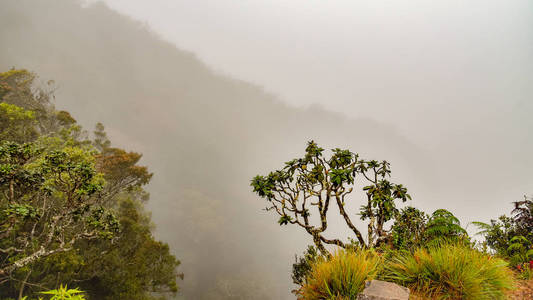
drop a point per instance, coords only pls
(413, 228)
(408, 229)
(451, 271)
(342, 276)
(302, 266)
(511, 237)
(498, 234)
(520, 250)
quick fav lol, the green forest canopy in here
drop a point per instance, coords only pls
(71, 205)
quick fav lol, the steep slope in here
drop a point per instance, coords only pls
(204, 135)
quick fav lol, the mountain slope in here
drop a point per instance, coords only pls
(204, 135)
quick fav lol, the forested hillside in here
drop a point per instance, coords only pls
(204, 136)
(72, 205)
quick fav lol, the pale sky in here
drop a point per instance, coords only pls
(358, 57)
(453, 76)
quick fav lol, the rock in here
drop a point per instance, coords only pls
(382, 290)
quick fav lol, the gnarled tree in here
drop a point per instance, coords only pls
(309, 185)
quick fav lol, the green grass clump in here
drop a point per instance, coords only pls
(342, 276)
(450, 271)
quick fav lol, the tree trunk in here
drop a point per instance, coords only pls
(21, 292)
(11, 190)
(320, 246)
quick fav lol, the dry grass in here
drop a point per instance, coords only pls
(524, 291)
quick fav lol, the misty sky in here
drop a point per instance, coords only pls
(453, 64)
(439, 66)
(454, 77)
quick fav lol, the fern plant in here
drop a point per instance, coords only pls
(520, 250)
(63, 293)
(443, 226)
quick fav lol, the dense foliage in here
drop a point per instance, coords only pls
(71, 207)
(409, 228)
(51, 201)
(511, 237)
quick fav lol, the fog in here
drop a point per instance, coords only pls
(215, 92)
